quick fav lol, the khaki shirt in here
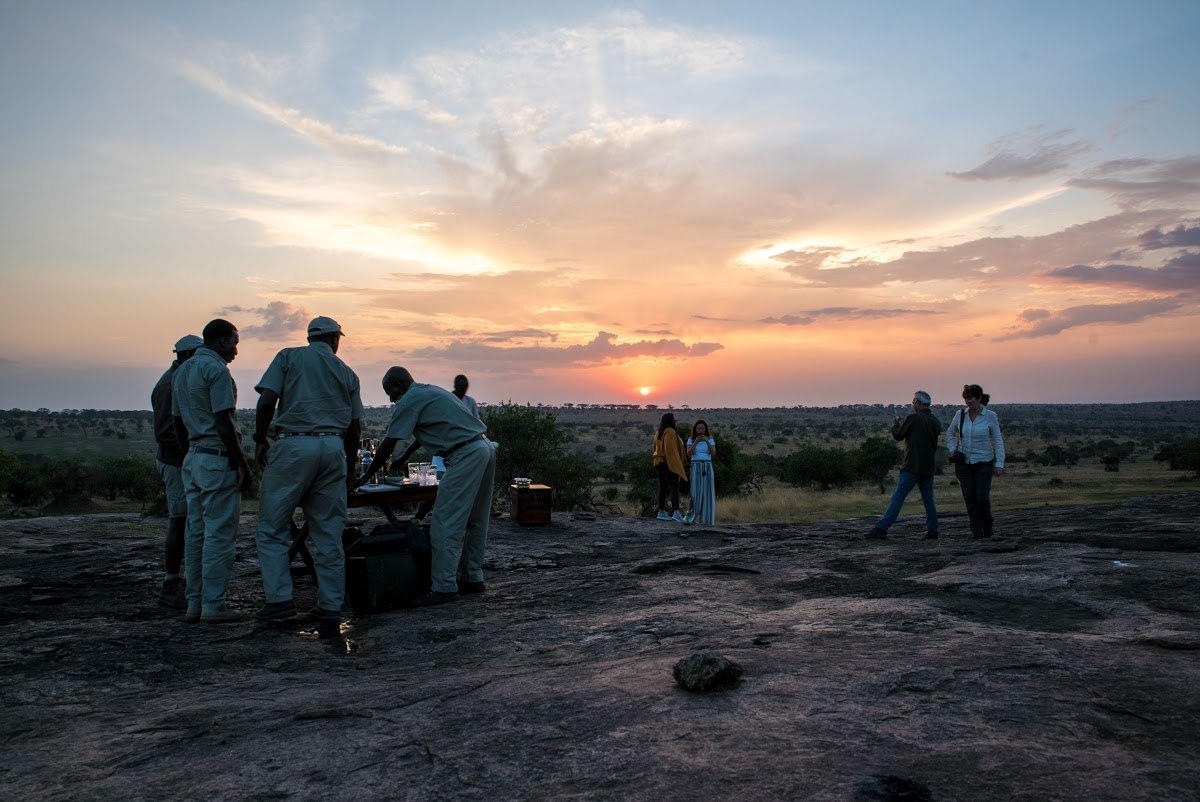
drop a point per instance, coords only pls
(434, 416)
(202, 388)
(317, 391)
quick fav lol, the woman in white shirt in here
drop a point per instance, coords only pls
(701, 449)
(974, 435)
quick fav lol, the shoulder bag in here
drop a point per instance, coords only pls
(957, 457)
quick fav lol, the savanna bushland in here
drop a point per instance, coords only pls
(774, 464)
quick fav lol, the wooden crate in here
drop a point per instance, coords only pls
(530, 505)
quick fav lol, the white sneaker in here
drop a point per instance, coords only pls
(689, 518)
(662, 515)
(677, 517)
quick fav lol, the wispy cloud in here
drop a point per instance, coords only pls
(1045, 322)
(1027, 154)
(986, 260)
(314, 130)
(1134, 183)
(509, 335)
(1179, 273)
(841, 313)
(1182, 236)
(603, 349)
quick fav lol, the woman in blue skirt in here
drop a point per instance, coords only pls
(702, 449)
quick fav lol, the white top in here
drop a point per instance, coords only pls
(701, 454)
(469, 403)
(981, 440)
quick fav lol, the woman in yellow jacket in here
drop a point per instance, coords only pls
(670, 461)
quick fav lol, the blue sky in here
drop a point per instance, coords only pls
(761, 204)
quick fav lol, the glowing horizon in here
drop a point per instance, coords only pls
(592, 203)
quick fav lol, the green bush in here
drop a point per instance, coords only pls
(531, 444)
(1057, 455)
(135, 478)
(31, 485)
(876, 457)
(734, 474)
(643, 482)
(1181, 455)
(823, 468)
(9, 468)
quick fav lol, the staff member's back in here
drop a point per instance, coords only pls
(306, 433)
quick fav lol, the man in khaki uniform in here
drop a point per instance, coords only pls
(459, 527)
(306, 432)
(170, 468)
(215, 472)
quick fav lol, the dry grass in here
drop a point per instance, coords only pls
(1020, 487)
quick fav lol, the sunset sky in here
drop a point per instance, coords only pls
(732, 204)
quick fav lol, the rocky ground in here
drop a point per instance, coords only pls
(1059, 661)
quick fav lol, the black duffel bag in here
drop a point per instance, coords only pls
(388, 568)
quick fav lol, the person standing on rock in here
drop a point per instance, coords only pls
(977, 450)
(702, 450)
(170, 467)
(919, 431)
(459, 527)
(309, 405)
(670, 463)
(215, 471)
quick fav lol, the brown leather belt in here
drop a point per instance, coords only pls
(453, 448)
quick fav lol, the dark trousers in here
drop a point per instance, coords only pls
(668, 482)
(976, 484)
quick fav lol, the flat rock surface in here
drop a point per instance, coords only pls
(1060, 660)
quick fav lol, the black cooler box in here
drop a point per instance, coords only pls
(388, 568)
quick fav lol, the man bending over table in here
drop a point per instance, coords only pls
(459, 526)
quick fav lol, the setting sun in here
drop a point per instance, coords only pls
(644, 391)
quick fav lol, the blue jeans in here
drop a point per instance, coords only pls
(904, 486)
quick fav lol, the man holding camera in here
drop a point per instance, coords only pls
(919, 431)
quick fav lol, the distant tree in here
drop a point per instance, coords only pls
(612, 474)
(19, 435)
(823, 468)
(133, 477)
(1112, 460)
(1057, 455)
(69, 483)
(1181, 455)
(733, 472)
(637, 468)
(876, 457)
(9, 467)
(30, 487)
